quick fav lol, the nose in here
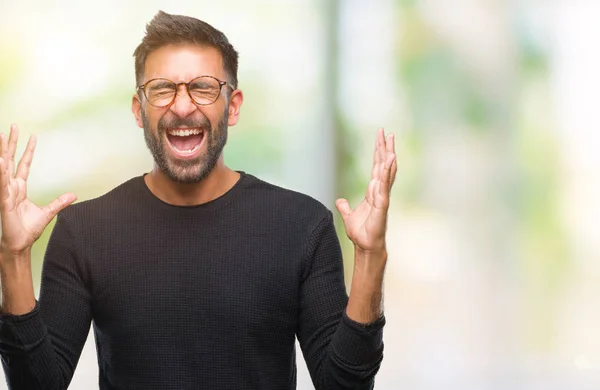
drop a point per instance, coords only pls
(183, 104)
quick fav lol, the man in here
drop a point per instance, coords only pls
(195, 276)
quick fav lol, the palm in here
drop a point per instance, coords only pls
(366, 224)
(22, 221)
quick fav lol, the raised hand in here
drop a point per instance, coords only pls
(366, 224)
(22, 221)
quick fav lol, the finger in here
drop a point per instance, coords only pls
(343, 207)
(390, 143)
(378, 155)
(384, 190)
(391, 149)
(386, 146)
(5, 173)
(13, 189)
(20, 190)
(376, 150)
(375, 170)
(371, 191)
(59, 204)
(375, 160)
(12, 147)
(3, 182)
(393, 172)
(375, 167)
(380, 145)
(25, 163)
(4, 146)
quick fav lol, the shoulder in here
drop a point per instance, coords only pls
(116, 201)
(287, 203)
(258, 189)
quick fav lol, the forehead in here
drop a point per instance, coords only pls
(181, 63)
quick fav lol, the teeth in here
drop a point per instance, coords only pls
(186, 151)
(184, 133)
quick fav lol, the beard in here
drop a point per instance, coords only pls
(186, 171)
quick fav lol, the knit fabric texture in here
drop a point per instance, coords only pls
(193, 297)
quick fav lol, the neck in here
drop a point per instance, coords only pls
(220, 180)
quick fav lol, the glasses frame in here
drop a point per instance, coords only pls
(187, 88)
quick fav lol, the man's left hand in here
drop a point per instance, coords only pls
(366, 224)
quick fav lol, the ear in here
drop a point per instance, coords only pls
(136, 108)
(235, 104)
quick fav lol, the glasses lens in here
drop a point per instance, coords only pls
(160, 92)
(205, 90)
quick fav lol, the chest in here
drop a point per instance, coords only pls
(190, 279)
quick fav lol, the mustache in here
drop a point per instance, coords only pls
(202, 123)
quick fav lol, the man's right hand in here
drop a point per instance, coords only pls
(22, 224)
(22, 221)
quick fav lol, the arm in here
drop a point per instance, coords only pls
(366, 297)
(40, 349)
(366, 227)
(39, 343)
(340, 353)
(342, 340)
(17, 284)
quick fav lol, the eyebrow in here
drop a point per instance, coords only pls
(200, 83)
(162, 84)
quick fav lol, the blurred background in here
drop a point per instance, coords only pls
(493, 278)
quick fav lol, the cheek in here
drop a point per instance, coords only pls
(150, 118)
(215, 112)
(217, 116)
(144, 118)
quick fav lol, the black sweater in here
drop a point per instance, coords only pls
(200, 297)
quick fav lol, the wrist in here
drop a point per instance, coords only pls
(370, 261)
(15, 269)
(16, 254)
(14, 262)
(379, 251)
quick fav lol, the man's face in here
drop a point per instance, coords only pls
(186, 140)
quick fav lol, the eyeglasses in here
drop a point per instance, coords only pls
(203, 90)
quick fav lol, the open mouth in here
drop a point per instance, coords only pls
(185, 142)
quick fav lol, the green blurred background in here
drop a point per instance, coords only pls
(492, 279)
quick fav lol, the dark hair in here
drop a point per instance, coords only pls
(166, 29)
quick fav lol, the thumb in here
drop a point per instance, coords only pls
(343, 207)
(59, 204)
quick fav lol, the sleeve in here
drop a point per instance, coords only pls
(40, 349)
(339, 353)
